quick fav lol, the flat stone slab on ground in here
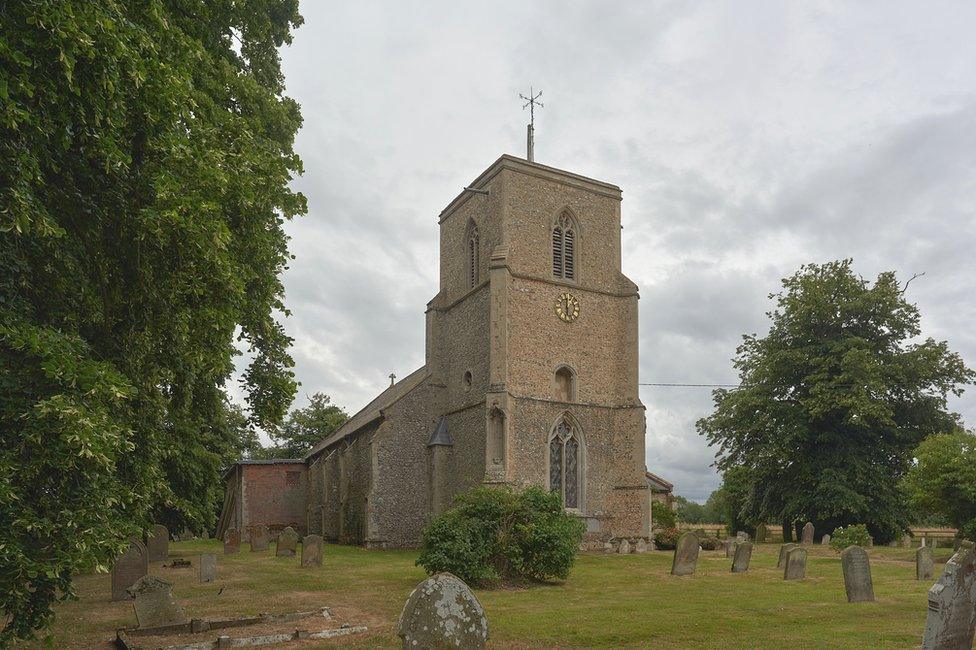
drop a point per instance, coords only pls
(154, 603)
(857, 575)
(442, 612)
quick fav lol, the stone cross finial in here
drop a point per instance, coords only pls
(392, 378)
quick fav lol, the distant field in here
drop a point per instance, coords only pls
(608, 601)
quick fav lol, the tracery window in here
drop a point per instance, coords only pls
(564, 464)
(472, 255)
(564, 248)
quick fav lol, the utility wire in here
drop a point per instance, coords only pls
(691, 385)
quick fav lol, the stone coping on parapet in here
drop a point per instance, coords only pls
(523, 166)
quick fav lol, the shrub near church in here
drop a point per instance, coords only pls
(494, 535)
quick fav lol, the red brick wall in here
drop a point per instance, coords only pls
(274, 495)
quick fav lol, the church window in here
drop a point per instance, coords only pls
(467, 380)
(564, 385)
(564, 248)
(564, 464)
(472, 255)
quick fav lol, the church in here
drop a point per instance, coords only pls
(530, 378)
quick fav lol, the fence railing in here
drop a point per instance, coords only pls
(775, 531)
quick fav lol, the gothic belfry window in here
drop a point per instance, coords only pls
(564, 464)
(472, 254)
(564, 247)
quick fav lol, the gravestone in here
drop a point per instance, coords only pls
(287, 543)
(641, 546)
(259, 538)
(825, 540)
(924, 565)
(685, 555)
(761, 534)
(232, 541)
(730, 546)
(796, 564)
(857, 575)
(442, 612)
(158, 543)
(208, 567)
(783, 552)
(743, 553)
(624, 547)
(951, 620)
(312, 550)
(807, 536)
(742, 536)
(906, 541)
(131, 565)
(154, 603)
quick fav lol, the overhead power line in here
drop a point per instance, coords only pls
(689, 385)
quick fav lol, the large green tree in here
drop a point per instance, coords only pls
(145, 160)
(306, 426)
(832, 402)
(942, 480)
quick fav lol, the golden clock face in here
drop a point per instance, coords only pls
(567, 307)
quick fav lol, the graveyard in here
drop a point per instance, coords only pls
(609, 600)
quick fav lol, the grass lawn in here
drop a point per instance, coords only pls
(608, 601)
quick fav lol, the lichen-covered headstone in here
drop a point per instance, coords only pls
(208, 567)
(951, 620)
(624, 547)
(857, 575)
(259, 538)
(761, 533)
(743, 553)
(442, 612)
(131, 565)
(825, 540)
(783, 552)
(796, 564)
(154, 602)
(158, 543)
(730, 546)
(312, 550)
(232, 541)
(287, 542)
(924, 565)
(685, 555)
(807, 536)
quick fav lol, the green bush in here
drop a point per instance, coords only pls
(853, 535)
(662, 516)
(666, 539)
(494, 535)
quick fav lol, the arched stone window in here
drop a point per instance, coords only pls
(564, 384)
(472, 254)
(564, 253)
(565, 456)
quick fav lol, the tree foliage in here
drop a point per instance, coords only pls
(494, 534)
(663, 515)
(832, 402)
(145, 160)
(942, 481)
(689, 511)
(304, 427)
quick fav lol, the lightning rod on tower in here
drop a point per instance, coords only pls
(530, 102)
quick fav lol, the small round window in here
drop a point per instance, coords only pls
(467, 380)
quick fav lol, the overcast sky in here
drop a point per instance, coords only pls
(748, 138)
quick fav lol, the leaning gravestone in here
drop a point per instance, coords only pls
(442, 613)
(857, 575)
(312, 550)
(730, 546)
(208, 567)
(743, 553)
(232, 541)
(783, 552)
(761, 533)
(259, 538)
(624, 547)
(154, 603)
(924, 566)
(951, 621)
(796, 564)
(287, 543)
(685, 555)
(131, 565)
(807, 536)
(158, 543)
(742, 536)
(825, 540)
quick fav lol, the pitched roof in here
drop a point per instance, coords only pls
(372, 411)
(657, 482)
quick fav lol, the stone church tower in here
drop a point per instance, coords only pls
(530, 375)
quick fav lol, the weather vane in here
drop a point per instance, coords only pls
(530, 102)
